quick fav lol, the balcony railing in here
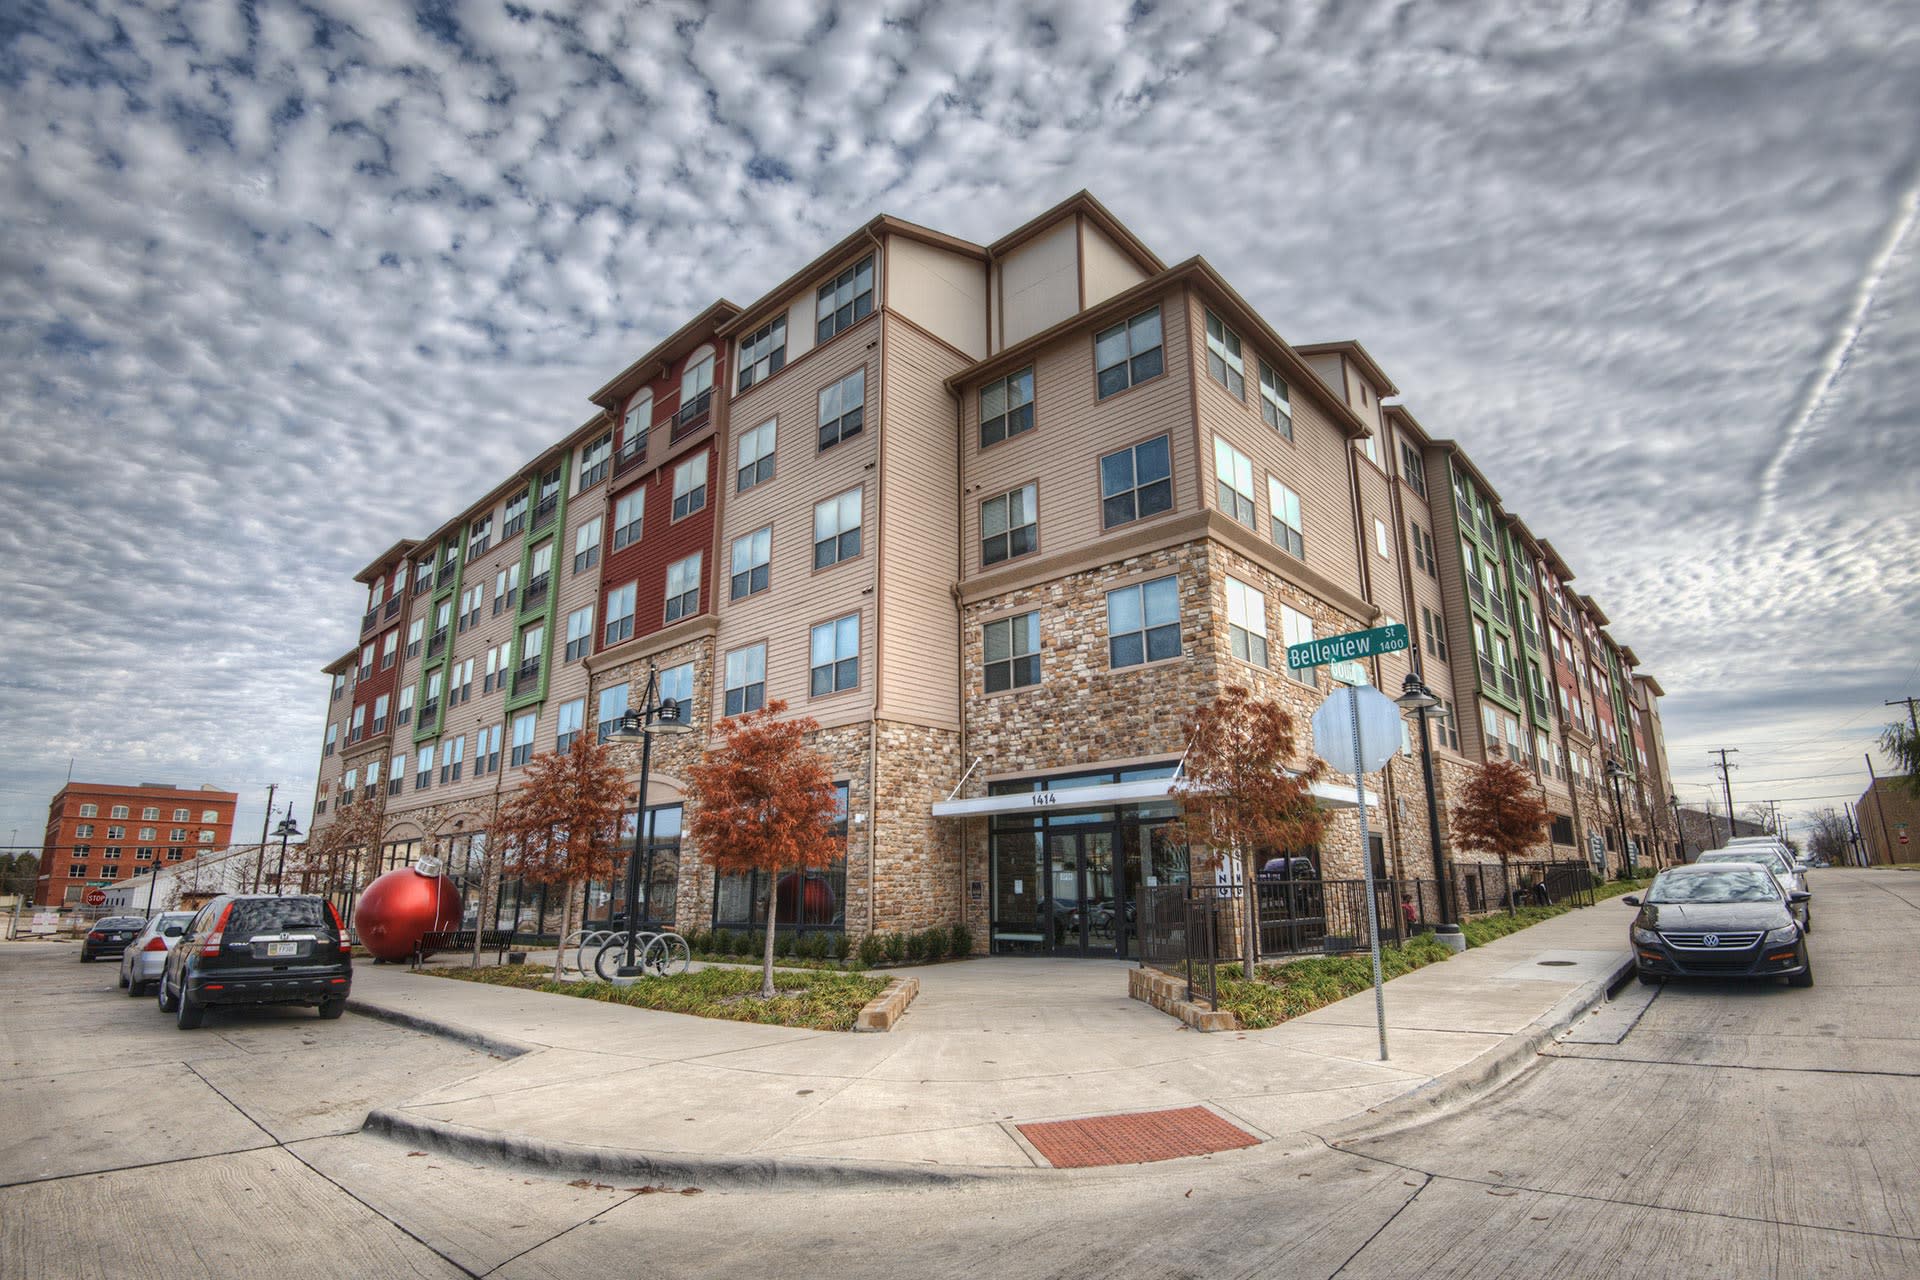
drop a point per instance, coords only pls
(429, 712)
(526, 676)
(1543, 709)
(437, 644)
(423, 583)
(1497, 603)
(543, 514)
(367, 620)
(445, 577)
(1477, 591)
(692, 415)
(1488, 677)
(631, 454)
(393, 607)
(1509, 685)
(537, 589)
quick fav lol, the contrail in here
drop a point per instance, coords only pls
(1841, 351)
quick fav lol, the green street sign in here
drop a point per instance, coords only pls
(1346, 648)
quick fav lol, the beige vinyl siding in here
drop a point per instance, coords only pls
(1104, 267)
(944, 293)
(1453, 593)
(797, 597)
(1040, 282)
(1332, 371)
(919, 637)
(1072, 429)
(1314, 465)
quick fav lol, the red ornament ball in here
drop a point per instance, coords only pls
(812, 905)
(403, 906)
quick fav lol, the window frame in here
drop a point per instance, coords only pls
(1131, 357)
(1226, 490)
(1229, 353)
(836, 664)
(1136, 487)
(726, 677)
(760, 568)
(676, 606)
(761, 462)
(841, 434)
(1281, 499)
(693, 499)
(628, 532)
(838, 539)
(1022, 626)
(759, 348)
(1309, 676)
(1029, 493)
(1147, 627)
(1009, 411)
(1242, 637)
(831, 325)
(1276, 410)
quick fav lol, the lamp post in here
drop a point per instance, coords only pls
(1615, 772)
(654, 715)
(153, 878)
(1419, 699)
(285, 829)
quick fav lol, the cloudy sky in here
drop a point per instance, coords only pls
(282, 283)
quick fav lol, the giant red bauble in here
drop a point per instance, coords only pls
(401, 907)
(817, 899)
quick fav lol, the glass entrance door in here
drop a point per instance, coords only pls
(1084, 910)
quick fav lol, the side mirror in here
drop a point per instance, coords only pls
(1799, 896)
(174, 931)
(1632, 899)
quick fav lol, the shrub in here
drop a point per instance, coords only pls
(960, 938)
(696, 941)
(896, 946)
(916, 947)
(834, 945)
(719, 943)
(783, 944)
(871, 950)
(938, 943)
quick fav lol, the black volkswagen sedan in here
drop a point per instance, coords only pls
(1721, 920)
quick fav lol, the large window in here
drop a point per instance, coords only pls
(690, 486)
(1297, 628)
(594, 459)
(1247, 622)
(380, 705)
(1276, 402)
(746, 688)
(696, 393)
(1224, 362)
(620, 613)
(1284, 506)
(579, 634)
(89, 810)
(453, 754)
(845, 300)
(1413, 469)
(1012, 647)
(1006, 407)
(1233, 481)
(611, 706)
(1433, 629)
(479, 536)
(523, 726)
(1422, 543)
(751, 554)
(753, 457)
(633, 431)
(835, 656)
(423, 769)
(843, 408)
(1008, 525)
(506, 591)
(629, 512)
(404, 714)
(836, 529)
(1136, 482)
(763, 352)
(683, 588)
(586, 546)
(676, 683)
(486, 751)
(1128, 354)
(390, 650)
(516, 516)
(1143, 623)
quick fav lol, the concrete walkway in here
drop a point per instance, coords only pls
(990, 1044)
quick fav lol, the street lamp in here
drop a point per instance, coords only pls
(1616, 771)
(285, 829)
(654, 715)
(1419, 699)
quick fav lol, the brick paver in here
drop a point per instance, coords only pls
(1138, 1137)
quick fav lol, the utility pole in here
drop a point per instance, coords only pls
(1679, 830)
(260, 860)
(1726, 781)
(1773, 824)
(1913, 719)
(1853, 838)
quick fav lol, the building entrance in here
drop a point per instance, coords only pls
(1087, 907)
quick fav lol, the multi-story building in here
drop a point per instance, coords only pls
(999, 518)
(98, 833)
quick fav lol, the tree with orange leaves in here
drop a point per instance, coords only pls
(763, 800)
(1238, 793)
(562, 827)
(1500, 811)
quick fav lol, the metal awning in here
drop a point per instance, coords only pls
(1108, 794)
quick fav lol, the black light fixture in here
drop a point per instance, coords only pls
(1417, 698)
(1616, 771)
(654, 715)
(286, 828)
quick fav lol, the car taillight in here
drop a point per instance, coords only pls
(211, 947)
(95, 936)
(155, 944)
(339, 929)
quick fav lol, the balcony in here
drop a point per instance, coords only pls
(1477, 591)
(1489, 680)
(437, 643)
(536, 590)
(429, 712)
(543, 514)
(423, 583)
(446, 574)
(367, 620)
(631, 454)
(692, 416)
(1497, 604)
(393, 608)
(526, 676)
(1509, 685)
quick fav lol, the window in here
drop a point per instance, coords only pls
(594, 459)
(843, 408)
(683, 588)
(366, 661)
(1224, 362)
(116, 833)
(1297, 628)
(751, 555)
(572, 716)
(611, 706)
(533, 645)
(1543, 752)
(380, 705)
(479, 535)
(150, 814)
(586, 545)
(1233, 478)
(84, 831)
(845, 300)
(1422, 549)
(349, 785)
(677, 683)
(418, 629)
(1136, 483)
(836, 529)
(1288, 534)
(423, 769)
(620, 613)
(1008, 525)
(89, 810)
(628, 513)
(522, 739)
(333, 737)
(541, 575)
(181, 815)
(430, 705)
(690, 486)
(1381, 543)
(1413, 469)
(1276, 402)
(118, 811)
(453, 754)
(516, 514)
(763, 352)
(470, 601)
(1143, 623)
(835, 660)
(746, 688)
(489, 745)
(753, 457)
(150, 833)
(1246, 622)
(1433, 628)
(1128, 354)
(339, 686)
(1006, 407)
(1447, 727)
(1012, 647)
(1490, 727)
(390, 651)
(359, 729)
(176, 834)
(633, 431)
(404, 715)
(579, 634)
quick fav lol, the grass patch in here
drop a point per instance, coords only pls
(1282, 991)
(815, 1001)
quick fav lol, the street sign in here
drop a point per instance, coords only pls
(1354, 644)
(95, 897)
(1379, 729)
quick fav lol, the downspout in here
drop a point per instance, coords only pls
(960, 621)
(879, 525)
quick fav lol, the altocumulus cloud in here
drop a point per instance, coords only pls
(282, 283)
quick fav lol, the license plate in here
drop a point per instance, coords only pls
(283, 948)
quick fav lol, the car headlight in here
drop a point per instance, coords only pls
(1783, 937)
(1645, 937)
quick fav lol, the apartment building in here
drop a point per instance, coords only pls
(98, 832)
(999, 518)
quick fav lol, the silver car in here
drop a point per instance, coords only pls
(146, 955)
(1774, 859)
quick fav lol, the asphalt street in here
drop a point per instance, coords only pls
(1709, 1129)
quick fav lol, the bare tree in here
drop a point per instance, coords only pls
(1829, 835)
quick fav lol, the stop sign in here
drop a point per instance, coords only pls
(95, 897)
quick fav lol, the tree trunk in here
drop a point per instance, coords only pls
(766, 965)
(1251, 949)
(566, 924)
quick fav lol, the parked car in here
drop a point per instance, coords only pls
(1722, 920)
(109, 936)
(253, 949)
(1792, 880)
(146, 955)
(1289, 869)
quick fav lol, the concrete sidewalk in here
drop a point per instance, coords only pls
(990, 1044)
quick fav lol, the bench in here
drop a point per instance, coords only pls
(460, 941)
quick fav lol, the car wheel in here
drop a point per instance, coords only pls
(1806, 921)
(1804, 978)
(331, 1009)
(134, 988)
(164, 998)
(86, 957)
(190, 1013)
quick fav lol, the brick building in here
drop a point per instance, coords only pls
(98, 833)
(1888, 817)
(999, 517)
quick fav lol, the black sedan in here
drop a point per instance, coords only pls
(1721, 920)
(110, 936)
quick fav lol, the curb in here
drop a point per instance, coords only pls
(685, 1168)
(1499, 1066)
(887, 1008)
(434, 1027)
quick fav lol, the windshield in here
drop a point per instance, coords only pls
(1713, 886)
(1765, 857)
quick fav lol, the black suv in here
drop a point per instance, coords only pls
(255, 949)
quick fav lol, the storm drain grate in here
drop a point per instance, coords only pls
(1139, 1137)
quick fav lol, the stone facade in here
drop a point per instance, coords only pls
(917, 881)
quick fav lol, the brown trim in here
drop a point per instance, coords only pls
(1350, 348)
(716, 321)
(653, 642)
(1080, 258)
(1193, 400)
(1081, 202)
(879, 500)
(1157, 533)
(1173, 481)
(846, 253)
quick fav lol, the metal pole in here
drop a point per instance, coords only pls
(1441, 871)
(260, 859)
(1366, 862)
(1679, 831)
(639, 824)
(153, 877)
(1879, 807)
(1619, 816)
(280, 872)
